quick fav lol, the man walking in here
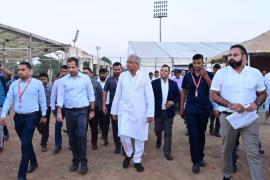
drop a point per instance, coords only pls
(166, 95)
(195, 91)
(76, 94)
(28, 95)
(133, 106)
(239, 88)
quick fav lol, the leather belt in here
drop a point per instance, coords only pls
(227, 113)
(77, 109)
(27, 114)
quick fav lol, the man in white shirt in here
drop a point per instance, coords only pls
(133, 106)
(239, 88)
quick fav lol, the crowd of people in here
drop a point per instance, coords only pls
(130, 100)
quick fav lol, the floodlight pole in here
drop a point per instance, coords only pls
(160, 11)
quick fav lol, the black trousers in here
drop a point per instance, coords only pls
(43, 129)
(116, 138)
(105, 124)
(93, 123)
(164, 123)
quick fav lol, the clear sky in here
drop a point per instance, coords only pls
(111, 24)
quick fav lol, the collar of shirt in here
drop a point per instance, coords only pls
(79, 75)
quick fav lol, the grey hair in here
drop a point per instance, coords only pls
(138, 59)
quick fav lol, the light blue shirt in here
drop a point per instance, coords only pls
(75, 91)
(33, 98)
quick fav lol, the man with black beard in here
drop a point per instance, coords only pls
(110, 88)
(239, 88)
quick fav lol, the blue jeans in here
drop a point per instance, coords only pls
(76, 127)
(197, 124)
(25, 126)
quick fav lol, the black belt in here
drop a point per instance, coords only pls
(77, 109)
(27, 114)
(227, 113)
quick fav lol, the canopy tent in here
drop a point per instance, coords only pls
(175, 54)
(18, 45)
(258, 46)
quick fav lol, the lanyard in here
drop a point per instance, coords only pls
(19, 90)
(196, 85)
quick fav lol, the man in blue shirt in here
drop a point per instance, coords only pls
(76, 93)
(195, 91)
(27, 94)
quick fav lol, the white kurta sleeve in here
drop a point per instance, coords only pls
(117, 97)
(149, 94)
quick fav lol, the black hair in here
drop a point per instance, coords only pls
(64, 67)
(197, 57)
(117, 64)
(43, 75)
(103, 70)
(241, 47)
(27, 64)
(73, 59)
(165, 65)
(87, 68)
(156, 72)
(190, 66)
(217, 66)
(150, 73)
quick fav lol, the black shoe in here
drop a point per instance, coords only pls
(83, 170)
(106, 142)
(224, 178)
(168, 157)
(201, 163)
(158, 143)
(44, 148)
(117, 150)
(139, 167)
(94, 147)
(65, 131)
(126, 162)
(57, 150)
(235, 168)
(217, 134)
(211, 132)
(32, 168)
(21, 178)
(74, 167)
(261, 151)
(195, 168)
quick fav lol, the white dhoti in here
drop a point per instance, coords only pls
(139, 148)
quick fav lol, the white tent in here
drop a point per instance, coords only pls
(175, 54)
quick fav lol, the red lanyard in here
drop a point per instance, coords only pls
(196, 85)
(19, 89)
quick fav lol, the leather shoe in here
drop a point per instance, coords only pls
(32, 168)
(21, 178)
(106, 142)
(168, 157)
(158, 143)
(44, 148)
(83, 170)
(74, 167)
(202, 163)
(126, 162)
(94, 147)
(117, 150)
(139, 167)
(224, 178)
(195, 168)
(57, 150)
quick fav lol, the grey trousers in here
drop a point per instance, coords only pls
(164, 123)
(250, 137)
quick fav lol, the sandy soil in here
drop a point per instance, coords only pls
(104, 164)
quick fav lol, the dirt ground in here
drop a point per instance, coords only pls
(104, 164)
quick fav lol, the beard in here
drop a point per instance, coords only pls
(102, 78)
(235, 64)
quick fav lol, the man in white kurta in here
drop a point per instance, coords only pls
(133, 105)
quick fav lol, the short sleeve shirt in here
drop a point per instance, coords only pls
(110, 86)
(201, 103)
